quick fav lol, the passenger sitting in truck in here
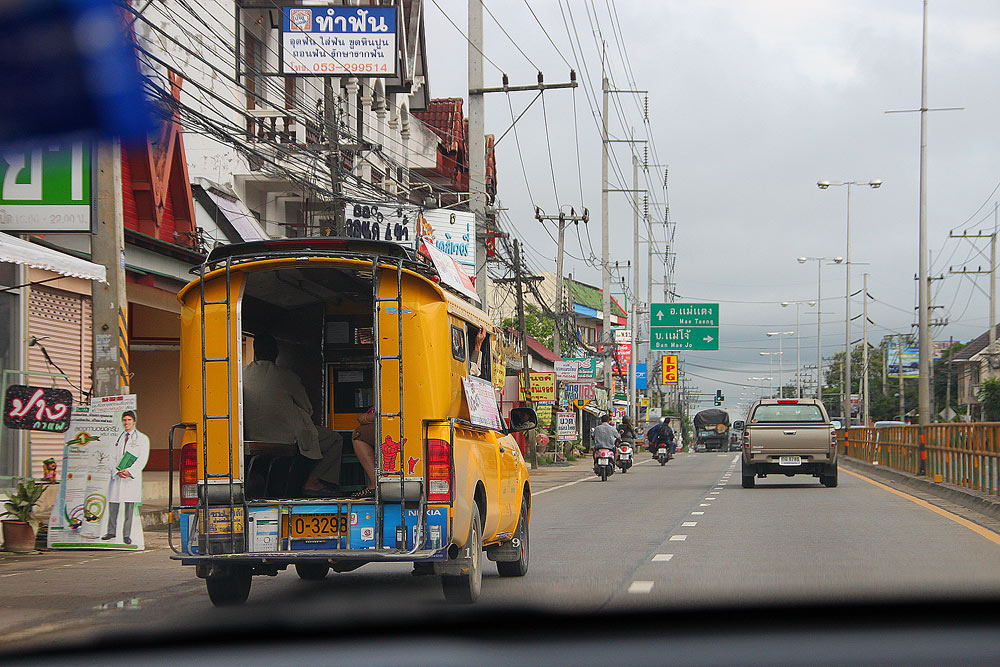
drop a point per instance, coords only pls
(476, 354)
(277, 409)
(363, 439)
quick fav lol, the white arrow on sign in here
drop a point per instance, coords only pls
(659, 316)
(708, 339)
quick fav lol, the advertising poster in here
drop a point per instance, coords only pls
(566, 371)
(101, 490)
(565, 425)
(482, 400)
(339, 40)
(911, 360)
(586, 368)
(453, 232)
(543, 387)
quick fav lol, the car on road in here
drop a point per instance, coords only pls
(789, 437)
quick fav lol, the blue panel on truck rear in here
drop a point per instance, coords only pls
(437, 527)
(363, 527)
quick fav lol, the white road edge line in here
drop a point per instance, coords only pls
(561, 486)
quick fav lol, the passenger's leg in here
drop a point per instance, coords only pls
(327, 469)
(366, 455)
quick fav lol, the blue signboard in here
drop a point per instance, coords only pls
(640, 376)
(357, 41)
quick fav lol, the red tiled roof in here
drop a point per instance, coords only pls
(540, 350)
(446, 119)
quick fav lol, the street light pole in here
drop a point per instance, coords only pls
(846, 388)
(798, 343)
(819, 316)
(781, 358)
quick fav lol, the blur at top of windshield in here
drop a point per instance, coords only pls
(608, 209)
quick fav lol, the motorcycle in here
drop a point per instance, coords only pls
(604, 463)
(624, 456)
(662, 454)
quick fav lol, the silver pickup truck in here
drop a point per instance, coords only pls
(789, 437)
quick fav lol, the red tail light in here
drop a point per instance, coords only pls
(439, 477)
(780, 402)
(746, 439)
(189, 474)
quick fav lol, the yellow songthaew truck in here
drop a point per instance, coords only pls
(366, 326)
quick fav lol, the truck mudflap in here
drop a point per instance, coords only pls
(334, 530)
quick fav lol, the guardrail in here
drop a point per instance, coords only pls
(964, 454)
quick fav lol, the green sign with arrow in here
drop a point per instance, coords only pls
(684, 338)
(684, 315)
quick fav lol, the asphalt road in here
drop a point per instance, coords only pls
(684, 534)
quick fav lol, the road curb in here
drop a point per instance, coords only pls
(973, 500)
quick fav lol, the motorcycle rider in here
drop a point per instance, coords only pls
(661, 434)
(605, 436)
(626, 430)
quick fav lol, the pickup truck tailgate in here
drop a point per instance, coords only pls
(802, 439)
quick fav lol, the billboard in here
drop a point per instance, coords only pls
(46, 189)
(911, 360)
(356, 41)
(454, 233)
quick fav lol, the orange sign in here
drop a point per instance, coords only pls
(669, 369)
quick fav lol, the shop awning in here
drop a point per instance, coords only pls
(593, 409)
(19, 251)
(229, 212)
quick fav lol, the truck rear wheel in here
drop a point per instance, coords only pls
(519, 567)
(829, 479)
(465, 588)
(312, 571)
(230, 589)
(749, 480)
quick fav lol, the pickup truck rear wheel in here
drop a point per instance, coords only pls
(465, 588)
(749, 480)
(829, 479)
(519, 567)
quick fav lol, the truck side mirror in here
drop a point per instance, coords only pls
(738, 425)
(522, 419)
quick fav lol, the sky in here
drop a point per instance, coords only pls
(750, 104)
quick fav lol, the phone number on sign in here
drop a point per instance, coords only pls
(356, 68)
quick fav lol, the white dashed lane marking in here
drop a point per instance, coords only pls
(689, 524)
(678, 538)
(640, 587)
(697, 513)
(661, 558)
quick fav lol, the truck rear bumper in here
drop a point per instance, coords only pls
(810, 468)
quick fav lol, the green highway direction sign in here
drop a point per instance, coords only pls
(684, 326)
(684, 338)
(684, 315)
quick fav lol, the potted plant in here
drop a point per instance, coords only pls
(19, 531)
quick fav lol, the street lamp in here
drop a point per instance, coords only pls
(823, 185)
(819, 316)
(781, 358)
(798, 344)
(761, 380)
(770, 369)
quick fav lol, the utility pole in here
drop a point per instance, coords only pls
(634, 357)
(864, 357)
(331, 118)
(110, 304)
(562, 218)
(991, 271)
(899, 368)
(525, 369)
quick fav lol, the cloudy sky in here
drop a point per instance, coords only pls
(751, 103)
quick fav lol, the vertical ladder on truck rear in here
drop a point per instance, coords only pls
(203, 499)
(380, 358)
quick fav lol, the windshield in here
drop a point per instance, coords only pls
(320, 314)
(787, 413)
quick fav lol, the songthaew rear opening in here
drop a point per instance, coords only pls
(307, 378)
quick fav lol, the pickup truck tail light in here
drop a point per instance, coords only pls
(833, 438)
(439, 467)
(746, 438)
(189, 474)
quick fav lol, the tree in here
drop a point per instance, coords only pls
(989, 396)
(538, 327)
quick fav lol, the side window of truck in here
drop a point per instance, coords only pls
(457, 343)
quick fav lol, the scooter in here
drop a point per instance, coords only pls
(624, 456)
(604, 464)
(662, 454)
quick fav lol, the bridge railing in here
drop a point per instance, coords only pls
(964, 454)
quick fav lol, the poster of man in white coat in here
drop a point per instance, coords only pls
(131, 451)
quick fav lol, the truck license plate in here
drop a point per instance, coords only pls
(790, 461)
(317, 525)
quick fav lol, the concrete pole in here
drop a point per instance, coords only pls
(607, 341)
(993, 282)
(846, 388)
(798, 353)
(649, 314)
(556, 336)
(525, 369)
(819, 329)
(110, 304)
(634, 358)
(924, 288)
(477, 146)
(864, 363)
